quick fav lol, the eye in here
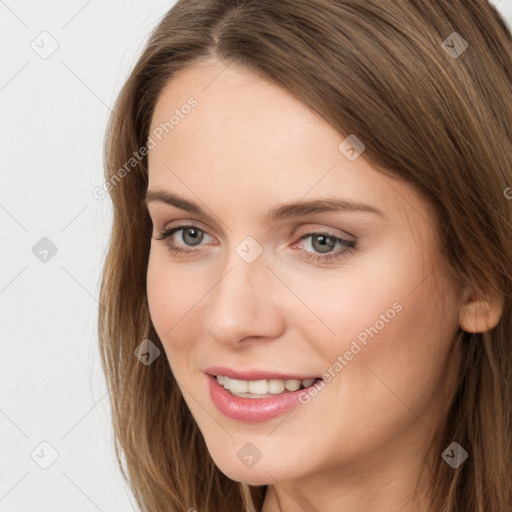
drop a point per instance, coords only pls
(326, 242)
(191, 234)
(323, 242)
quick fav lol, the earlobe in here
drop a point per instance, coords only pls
(479, 312)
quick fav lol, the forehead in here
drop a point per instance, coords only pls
(236, 107)
(250, 142)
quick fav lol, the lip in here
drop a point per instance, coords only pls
(255, 374)
(251, 410)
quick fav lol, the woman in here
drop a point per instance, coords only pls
(307, 295)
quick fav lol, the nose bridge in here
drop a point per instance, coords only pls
(241, 304)
(247, 274)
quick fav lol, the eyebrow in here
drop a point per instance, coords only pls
(279, 212)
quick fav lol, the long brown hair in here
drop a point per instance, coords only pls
(431, 110)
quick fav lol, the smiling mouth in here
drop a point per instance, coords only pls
(263, 388)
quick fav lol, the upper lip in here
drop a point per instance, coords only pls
(255, 374)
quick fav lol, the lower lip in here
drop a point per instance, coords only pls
(252, 410)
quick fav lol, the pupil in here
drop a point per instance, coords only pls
(323, 244)
(193, 236)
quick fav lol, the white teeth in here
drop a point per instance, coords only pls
(239, 386)
(257, 387)
(292, 385)
(275, 386)
(262, 387)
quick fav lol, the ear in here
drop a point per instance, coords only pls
(480, 312)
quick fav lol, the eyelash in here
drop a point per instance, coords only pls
(348, 244)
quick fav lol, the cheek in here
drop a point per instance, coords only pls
(156, 292)
(394, 345)
(164, 292)
(388, 318)
(174, 293)
(343, 304)
(166, 297)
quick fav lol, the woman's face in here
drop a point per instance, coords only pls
(377, 314)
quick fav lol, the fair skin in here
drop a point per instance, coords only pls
(247, 146)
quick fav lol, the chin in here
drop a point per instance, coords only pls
(259, 474)
(250, 477)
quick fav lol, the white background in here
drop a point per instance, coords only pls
(53, 116)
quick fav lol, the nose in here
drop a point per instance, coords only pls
(246, 303)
